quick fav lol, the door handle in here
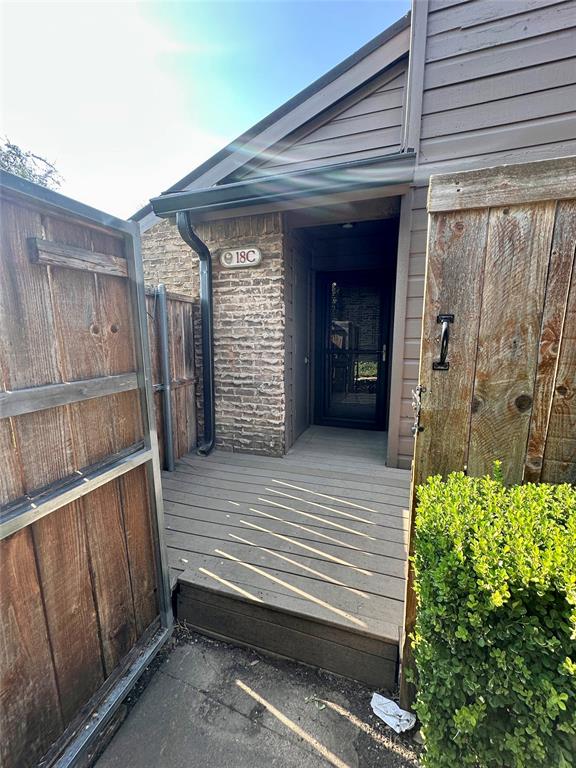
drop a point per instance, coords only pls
(383, 353)
(442, 364)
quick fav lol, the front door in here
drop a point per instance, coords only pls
(352, 331)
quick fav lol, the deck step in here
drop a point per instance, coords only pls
(220, 602)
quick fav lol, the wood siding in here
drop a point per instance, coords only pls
(499, 83)
(365, 124)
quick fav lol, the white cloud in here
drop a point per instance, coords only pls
(89, 86)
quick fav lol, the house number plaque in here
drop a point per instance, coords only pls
(236, 258)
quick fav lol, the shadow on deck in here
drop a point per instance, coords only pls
(303, 556)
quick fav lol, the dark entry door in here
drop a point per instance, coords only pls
(351, 349)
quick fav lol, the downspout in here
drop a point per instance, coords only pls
(190, 237)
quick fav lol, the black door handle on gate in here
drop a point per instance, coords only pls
(442, 364)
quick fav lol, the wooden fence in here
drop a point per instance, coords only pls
(498, 356)
(84, 595)
(182, 391)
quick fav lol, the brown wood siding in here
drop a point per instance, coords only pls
(412, 323)
(499, 87)
(364, 124)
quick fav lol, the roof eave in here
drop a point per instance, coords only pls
(379, 171)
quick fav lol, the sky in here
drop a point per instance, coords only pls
(125, 98)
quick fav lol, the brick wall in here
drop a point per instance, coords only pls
(249, 324)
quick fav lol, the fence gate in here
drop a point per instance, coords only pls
(498, 356)
(84, 599)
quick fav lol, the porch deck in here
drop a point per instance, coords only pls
(303, 556)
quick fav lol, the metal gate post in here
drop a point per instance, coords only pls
(166, 378)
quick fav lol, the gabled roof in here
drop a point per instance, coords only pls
(297, 110)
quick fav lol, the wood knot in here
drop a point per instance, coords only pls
(562, 390)
(476, 403)
(95, 329)
(459, 226)
(523, 402)
(114, 328)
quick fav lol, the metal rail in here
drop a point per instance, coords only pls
(79, 485)
(166, 387)
(32, 399)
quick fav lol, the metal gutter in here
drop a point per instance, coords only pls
(190, 237)
(380, 171)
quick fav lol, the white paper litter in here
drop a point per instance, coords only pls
(388, 711)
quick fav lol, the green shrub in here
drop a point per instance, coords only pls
(496, 626)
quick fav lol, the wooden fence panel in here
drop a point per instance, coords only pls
(180, 310)
(506, 347)
(501, 261)
(31, 714)
(82, 578)
(61, 547)
(559, 463)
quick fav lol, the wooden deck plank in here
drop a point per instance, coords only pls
(347, 542)
(305, 460)
(392, 516)
(202, 506)
(389, 528)
(259, 588)
(303, 556)
(289, 469)
(321, 552)
(331, 487)
(365, 611)
(360, 508)
(197, 537)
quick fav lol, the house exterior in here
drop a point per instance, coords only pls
(331, 190)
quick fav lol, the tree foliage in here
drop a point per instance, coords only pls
(28, 165)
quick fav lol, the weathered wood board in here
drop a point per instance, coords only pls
(79, 585)
(182, 366)
(501, 259)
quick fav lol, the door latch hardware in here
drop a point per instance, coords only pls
(417, 407)
(442, 364)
